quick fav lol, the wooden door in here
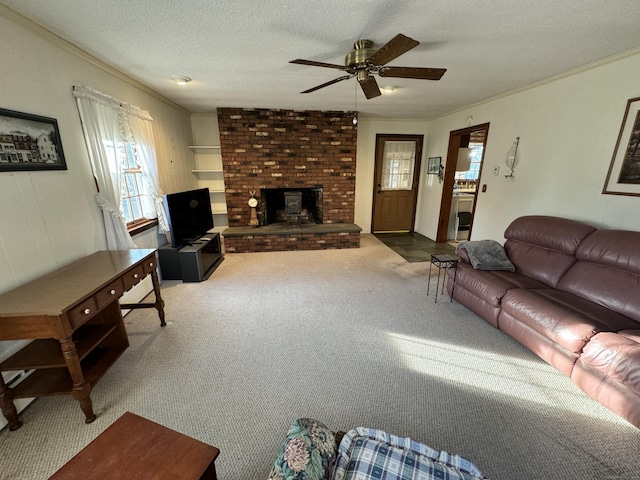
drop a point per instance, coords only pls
(395, 192)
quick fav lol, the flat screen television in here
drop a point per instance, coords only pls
(189, 214)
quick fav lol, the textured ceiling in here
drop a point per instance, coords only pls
(237, 52)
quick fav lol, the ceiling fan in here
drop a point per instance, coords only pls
(364, 60)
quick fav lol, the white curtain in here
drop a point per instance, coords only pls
(398, 163)
(100, 123)
(143, 138)
(108, 122)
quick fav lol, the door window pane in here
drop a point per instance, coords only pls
(398, 165)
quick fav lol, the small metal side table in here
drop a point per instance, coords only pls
(443, 261)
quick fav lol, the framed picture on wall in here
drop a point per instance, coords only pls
(623, 177)
(29, 142)
(434, 165)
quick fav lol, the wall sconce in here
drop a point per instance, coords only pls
(464, 159)
(512, 157)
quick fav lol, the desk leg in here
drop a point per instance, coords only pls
(210, 473)
(8, 408)
(81, 389)
(159, 304)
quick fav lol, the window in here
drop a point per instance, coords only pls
(398, 165)
(136, 203)
(120, 142)
(132, 186)
(476, 159)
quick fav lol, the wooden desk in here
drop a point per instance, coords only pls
(74, 318)
(136, 448)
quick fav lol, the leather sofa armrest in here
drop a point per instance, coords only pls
(464, 256)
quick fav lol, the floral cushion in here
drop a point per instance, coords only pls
(308, 453)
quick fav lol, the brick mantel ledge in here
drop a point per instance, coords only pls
(279, 237)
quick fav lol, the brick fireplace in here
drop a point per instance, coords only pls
(268, 152)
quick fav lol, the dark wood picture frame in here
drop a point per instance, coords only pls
(623, 177)
(433, 167)
(29, 142)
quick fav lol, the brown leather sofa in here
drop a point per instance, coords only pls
(573, 299)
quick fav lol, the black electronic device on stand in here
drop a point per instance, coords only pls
(194, 252)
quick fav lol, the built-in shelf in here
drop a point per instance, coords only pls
(205, 159)
(204, 147)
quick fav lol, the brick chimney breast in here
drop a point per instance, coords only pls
(288, 149)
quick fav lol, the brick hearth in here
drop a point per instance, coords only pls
(289, 149)
(275, 238)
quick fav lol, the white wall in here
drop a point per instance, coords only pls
(50, 218)
(368, 128)
(568, 130)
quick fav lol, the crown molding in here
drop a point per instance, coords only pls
(49, 36)
(569, 73)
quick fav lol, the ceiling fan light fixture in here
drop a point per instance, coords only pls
(388, 89)
(180, 79)
(364, 61)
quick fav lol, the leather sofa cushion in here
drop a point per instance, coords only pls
(553, 233)
(608, 391)
(543, 247)
(631, 335)
(615, 248)
(617, 356)
(566, 319)
(608, 271)
(542, 264)
(467, 298)
(538, 343)
(609, 287)
(491, 285)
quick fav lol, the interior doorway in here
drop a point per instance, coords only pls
(395, 193)
(463, 171)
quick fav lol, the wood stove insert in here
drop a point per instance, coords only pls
(291, 205)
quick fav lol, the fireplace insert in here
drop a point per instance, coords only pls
(291, 205)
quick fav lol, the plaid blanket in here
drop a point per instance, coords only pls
(366, 454)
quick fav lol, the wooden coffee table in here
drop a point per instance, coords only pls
(136, 448)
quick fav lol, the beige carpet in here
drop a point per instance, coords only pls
(350, 338)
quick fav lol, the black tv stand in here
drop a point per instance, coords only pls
(193, 262)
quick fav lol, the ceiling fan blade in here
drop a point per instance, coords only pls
(331, 82)
(311, 63)
(370, 87)
(412, 72)
(392, 49)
